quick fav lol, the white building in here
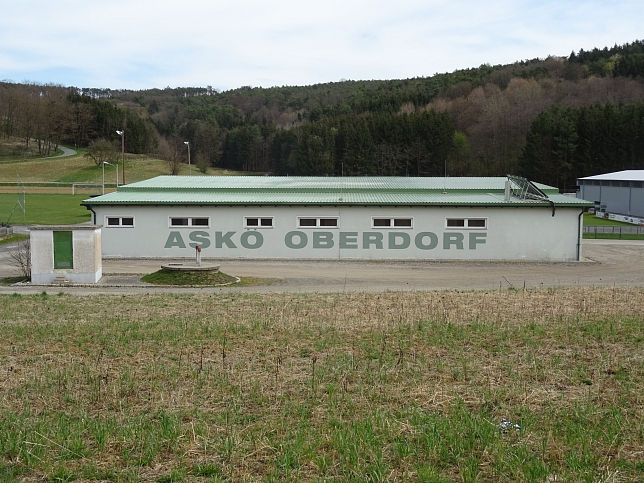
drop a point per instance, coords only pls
(340, 218)
(619, 193)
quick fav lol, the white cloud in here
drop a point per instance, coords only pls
(148, 43)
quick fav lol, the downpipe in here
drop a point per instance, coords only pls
(579, 235)
(93, 214)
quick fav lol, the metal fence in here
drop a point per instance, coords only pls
(6, 230)
(614, 231)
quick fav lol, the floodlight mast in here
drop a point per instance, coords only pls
(122, 134)
(187, 143)
(117, 174)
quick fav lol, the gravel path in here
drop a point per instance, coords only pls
(606, 263)
(66, 152)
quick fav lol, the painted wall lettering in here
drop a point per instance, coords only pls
(296, 239)
(399, 240)
(200, 238)
(370, 238)
(251, 240)
(450, 239)
(325, 240)
(174, 240)
(222, 239)
(348, 239)
(426, 240)
(322, 239)
(477, 238)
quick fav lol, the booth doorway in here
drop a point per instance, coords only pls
(63, 249)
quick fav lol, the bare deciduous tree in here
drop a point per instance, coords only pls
(20, 258)
(100, 151)
(169, 151)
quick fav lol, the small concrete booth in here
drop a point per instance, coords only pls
(66, 253)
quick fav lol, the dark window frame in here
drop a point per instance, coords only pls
(190, 222)
(260, 222)
(318, 222)
(119, 224)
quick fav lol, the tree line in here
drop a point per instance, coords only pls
(482, 121)
(47, 116)
(381, 144)
(566, 143)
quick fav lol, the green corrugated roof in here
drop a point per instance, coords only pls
(274, 190)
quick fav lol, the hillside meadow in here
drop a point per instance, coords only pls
(47, 184)
(537, 385)
(15, 170)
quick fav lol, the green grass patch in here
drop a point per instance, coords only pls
(320, 387)
(612, 236)
(591, 220)
(196, 278)
(43, 209)
(15, 238)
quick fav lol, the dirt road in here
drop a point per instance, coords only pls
(606, 263)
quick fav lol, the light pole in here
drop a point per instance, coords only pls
(187, 143)
(117, 174)
(103, 165)
(122, 134)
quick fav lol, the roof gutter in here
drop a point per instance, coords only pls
(89, 207)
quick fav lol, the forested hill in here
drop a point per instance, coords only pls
(553, 120)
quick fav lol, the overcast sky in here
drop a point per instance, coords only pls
(140, 44)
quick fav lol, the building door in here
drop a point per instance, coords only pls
(63, 250)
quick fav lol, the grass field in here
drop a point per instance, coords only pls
(394, 386)
(591, 220)
(45, 209)
(54, 204)
(196, 278)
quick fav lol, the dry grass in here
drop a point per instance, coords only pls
(77, 168)
(390, 386)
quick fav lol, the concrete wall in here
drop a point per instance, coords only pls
(87, 259)
(511, 233)
(42, 256)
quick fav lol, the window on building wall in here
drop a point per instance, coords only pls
(471, 223)
(455, 222)
(202, 221)
(119, 221)
(476, 222)
(317, 222)
(328, 222)
(258, 222)
(308, 222)
(393, 222)
(186, 221)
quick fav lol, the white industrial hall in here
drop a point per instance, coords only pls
(370, 218)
